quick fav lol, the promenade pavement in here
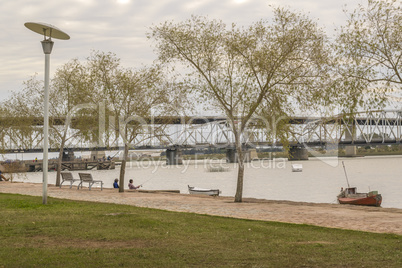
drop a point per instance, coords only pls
(370, 219)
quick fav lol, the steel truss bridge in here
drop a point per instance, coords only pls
(377, 127)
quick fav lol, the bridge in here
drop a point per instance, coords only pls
(377, 127)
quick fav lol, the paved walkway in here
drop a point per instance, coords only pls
(371, 219)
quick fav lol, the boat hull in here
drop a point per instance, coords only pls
(297, 168)
(201, 191)
(374, 200)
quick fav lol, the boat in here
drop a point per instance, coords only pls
(202, 191)
(352, 197)
(297, 167)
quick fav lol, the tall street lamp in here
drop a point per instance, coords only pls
(48, 31)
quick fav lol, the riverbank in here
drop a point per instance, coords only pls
(370, 219)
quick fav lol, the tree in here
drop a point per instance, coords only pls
(21, 114)
(268, 66)
(78, 89)
(370, 51)
(68, 89)
(132, 95)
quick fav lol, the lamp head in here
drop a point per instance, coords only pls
(47, 30)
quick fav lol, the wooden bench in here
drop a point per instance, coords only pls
(87, 177)
(67, 176)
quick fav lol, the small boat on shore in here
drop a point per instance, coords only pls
(196, 190)
(352, 197)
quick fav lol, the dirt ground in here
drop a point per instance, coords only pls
(370, 219)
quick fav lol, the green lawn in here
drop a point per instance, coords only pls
(82, 234)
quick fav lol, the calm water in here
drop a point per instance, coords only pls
(319, 182)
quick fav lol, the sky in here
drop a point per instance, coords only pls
(120, 26)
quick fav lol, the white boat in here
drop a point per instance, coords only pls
(297, 167)
(203, 191)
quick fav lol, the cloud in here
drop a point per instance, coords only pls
(119, 28)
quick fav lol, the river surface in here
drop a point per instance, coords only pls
(319, 182)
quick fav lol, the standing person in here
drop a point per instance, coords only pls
(131, 185)
(116, 183)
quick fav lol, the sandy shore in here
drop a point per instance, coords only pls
(370, 219)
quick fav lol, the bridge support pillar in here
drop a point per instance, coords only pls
(174, 156)
(297, 153)
(350, 151)
(68, 156)
(232, 157)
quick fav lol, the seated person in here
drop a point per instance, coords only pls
(131, 185)
(2, 177)
(116, 183)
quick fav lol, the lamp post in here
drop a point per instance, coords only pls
(48, 31)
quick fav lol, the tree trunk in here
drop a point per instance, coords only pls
(240, 172)
(240, 176)
(59, 161)
(123, 169)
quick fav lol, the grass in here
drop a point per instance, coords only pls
(68, 233)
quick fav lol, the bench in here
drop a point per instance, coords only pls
(87, 178)
(67, 176)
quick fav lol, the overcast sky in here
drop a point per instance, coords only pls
(119, 26)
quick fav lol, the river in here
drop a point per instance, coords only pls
(319, 182)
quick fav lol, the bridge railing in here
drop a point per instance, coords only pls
(370, 127)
